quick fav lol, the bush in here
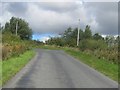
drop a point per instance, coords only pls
(13, 46)
(99, 49)
(92, 44)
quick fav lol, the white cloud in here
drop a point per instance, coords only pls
(44, 39)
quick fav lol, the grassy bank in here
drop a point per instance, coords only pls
(102, 65)
(11, 66)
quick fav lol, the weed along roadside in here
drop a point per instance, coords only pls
(14, 64)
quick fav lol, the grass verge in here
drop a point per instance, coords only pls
(102, 65)
(11, 66)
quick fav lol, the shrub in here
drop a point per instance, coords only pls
(92, 44)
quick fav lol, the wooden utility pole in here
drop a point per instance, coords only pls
(16, 27)
(78, 37)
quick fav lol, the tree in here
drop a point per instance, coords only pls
(87, 33)
(67, 33)
(13, 22)
(24, 31)
(97, 36)
(69, 37)
(7, 26)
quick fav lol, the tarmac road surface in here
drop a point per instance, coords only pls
(56, 69)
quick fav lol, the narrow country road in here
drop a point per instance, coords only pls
(56, 69)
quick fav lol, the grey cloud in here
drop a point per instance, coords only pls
(108, 23)
(58, 6)
(0, 9)
(106, 14)
(17, 8)
(56, 17)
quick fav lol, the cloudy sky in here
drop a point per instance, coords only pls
(51, 18)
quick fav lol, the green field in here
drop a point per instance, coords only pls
(11, 66)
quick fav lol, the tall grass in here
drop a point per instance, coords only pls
(12, 45)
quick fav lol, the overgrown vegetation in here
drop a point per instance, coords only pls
(16, 48)
(14, 45)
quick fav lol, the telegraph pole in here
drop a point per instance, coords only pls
(78, 33)
(16, 27)
(0, 27)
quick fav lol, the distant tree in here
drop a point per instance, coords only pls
(69, 37)
(67, 33)
(87, 33)
(97, 36)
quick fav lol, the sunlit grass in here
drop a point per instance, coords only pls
(11, 66)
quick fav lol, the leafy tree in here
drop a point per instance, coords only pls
(87, 33)
(7, 26)
(97, 36)
(67, 33)
(13, 22)
(68, 36)
(23, 31)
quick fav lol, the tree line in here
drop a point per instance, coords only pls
(86, 40)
